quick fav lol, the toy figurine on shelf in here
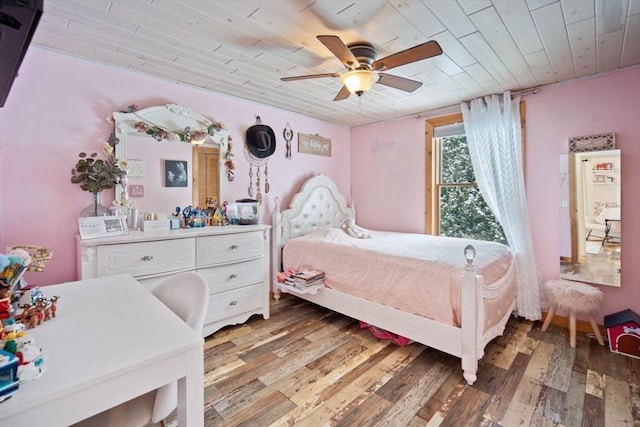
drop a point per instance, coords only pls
(211, 202)
(194, 217)
(9, 374)
(12, 266)
(218, 219)
(20, 359)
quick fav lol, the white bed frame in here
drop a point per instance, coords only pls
(319, 203)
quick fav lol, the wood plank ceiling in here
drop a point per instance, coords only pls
(243, 47)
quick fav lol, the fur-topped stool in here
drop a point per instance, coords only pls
(575, 297)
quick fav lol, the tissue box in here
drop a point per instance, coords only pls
(155, 224)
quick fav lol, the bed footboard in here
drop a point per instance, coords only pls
(465, 342)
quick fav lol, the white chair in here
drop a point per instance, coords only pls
(187, 295)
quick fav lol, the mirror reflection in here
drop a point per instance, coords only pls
(149, 158)
(591, 223)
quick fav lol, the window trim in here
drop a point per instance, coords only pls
(431, 215)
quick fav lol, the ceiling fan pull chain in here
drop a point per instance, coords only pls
(250, 189)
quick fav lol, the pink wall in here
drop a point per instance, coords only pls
(609, 103)
(388, 184)
(57, 108)
(387, 178)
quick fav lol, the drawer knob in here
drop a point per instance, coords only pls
(232, 303)
(233, 276)
(146, 258)
(234, 247)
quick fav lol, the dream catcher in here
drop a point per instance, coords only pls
(261, 143)
(287, 133)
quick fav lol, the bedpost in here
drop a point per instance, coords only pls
(471, 292)
(276, 247)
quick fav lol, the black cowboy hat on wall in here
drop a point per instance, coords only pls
(261, 141)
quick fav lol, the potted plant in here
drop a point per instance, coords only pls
(95, 174)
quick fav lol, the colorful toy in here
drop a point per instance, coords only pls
(623, 330)
(20, 359)
(9, 381)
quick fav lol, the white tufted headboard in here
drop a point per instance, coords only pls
(317, 204)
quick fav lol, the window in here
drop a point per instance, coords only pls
(455, 206)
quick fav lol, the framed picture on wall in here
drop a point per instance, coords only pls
(135, 168)
(175, 173)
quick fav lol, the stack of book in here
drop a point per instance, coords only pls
(305, 278)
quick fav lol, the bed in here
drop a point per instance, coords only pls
(429, 289)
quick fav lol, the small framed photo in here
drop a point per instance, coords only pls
(136, 190)
(102, 226)
(175, 173)
(135, 168)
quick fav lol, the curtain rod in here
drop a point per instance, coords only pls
(531, 91)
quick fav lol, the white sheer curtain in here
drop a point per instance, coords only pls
(492, 126)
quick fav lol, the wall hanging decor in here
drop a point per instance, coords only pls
(605, 141)
(287, 133)
(260, 145)
(314, 144)
(135, 168)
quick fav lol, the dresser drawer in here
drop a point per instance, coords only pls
(232, 276)
(145, 258)
(226, 248)
(231, 303)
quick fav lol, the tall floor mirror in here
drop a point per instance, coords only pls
(591, 224)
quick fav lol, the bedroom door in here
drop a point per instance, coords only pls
(206, 164)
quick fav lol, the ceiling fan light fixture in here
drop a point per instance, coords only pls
(359, 81)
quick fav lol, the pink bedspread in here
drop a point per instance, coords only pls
(416, 273)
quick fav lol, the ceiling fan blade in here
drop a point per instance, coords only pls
(413, 54)
(401, 83)
(340, 50)
(343, 94)
(309, 76)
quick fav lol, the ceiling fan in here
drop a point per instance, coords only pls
(365, 70)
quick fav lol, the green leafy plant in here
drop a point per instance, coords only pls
(95, 174)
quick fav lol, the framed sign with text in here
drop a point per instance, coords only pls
(314, 144)
(101, 226)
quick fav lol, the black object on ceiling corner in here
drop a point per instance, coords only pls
(18, 22)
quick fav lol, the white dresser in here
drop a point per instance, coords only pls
(234, 259)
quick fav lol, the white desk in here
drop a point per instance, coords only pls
(111, 341)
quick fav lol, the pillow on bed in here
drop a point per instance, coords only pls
(349, 226)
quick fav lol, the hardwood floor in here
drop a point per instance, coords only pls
(601, 267)
(308, 366)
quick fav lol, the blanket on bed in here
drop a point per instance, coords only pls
(417, 273)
